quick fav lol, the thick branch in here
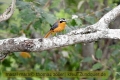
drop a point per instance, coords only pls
(25, 44)
(9, 11)
(104, 22)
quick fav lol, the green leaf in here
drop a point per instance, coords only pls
(115, 52)
(50, 18)
(98, 14)
(98, 53)
(27, 15)
(14, 29)
(73, 22)
(90, 19)
(97, 66)
(37, 24)
(6, 63)
(87, 59)
(21, 5)
(50, 66)
(78, 48)
(91, 3)
(78, 22)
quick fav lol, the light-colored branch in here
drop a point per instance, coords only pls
(91, 33)
(9, 11)
(25, 44)
(104, 22)
(6, 15)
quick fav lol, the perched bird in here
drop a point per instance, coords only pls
(57, 27)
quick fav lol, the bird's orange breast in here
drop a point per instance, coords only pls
(60, 27)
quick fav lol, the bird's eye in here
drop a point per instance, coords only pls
(61, 21)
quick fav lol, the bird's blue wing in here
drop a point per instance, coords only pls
(55, 25)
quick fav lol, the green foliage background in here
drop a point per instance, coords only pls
(40, 15)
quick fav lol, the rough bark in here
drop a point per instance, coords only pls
(6, 15)
(40, 44)
(8, 12)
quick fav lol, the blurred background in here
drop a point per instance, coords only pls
(34, 17)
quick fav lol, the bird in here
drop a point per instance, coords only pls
(58, 26)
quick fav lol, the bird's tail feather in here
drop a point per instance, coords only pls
(48, 34)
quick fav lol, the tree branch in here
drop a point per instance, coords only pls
(91, 33)
(9, 11)
(104, 22)
(24, 44)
